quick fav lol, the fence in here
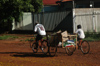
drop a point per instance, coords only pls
(52, 21)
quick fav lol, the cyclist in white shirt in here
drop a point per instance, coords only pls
(80, 32)
(81, 35)
(39, 28)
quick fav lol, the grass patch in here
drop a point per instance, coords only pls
(92, 36)
(4, 37)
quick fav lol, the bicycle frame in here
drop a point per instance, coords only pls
(79, 42)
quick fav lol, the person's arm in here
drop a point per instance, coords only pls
(75, 33)
(35, 29)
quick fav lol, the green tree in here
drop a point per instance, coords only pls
(38, 4)
(13, 9)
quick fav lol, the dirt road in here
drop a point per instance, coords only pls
(19, 53)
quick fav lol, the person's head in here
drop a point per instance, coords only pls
(36, 23)
(78, 26)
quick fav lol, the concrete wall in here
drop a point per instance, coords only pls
(89, 18)
(25, 23)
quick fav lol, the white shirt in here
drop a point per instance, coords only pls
(40, 29)
(80, 33)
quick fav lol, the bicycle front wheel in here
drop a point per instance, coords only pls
(85, 47)
(44, 47)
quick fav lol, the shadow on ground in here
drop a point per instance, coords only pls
(26, 54)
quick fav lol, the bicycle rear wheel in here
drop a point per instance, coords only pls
(70, 50)
(44, 47)
(34, 48)
(85, 47)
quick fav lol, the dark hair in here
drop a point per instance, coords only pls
(78, 26)
(36, 23)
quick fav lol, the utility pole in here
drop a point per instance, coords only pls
(73, 17)
(93, 22)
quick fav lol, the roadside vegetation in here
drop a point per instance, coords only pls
(92, 36)
(89, 37)
(5, 37)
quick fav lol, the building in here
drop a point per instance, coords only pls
(64, 15)
(86, 13)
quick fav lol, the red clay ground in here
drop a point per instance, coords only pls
(19, 53)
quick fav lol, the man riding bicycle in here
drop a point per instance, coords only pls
(39, 28)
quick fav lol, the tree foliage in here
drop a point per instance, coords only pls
(13, 9)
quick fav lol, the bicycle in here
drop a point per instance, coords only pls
(83, 45)
(41, 44)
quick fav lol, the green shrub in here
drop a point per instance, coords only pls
(92, 36)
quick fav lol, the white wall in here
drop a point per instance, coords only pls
(89, 18)
(25, 23)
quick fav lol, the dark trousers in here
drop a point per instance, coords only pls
(38, 37)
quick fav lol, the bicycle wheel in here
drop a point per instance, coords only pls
(31, 42)
(52, 49)
(34, 48)
(44, 47)
(70, 50)
(85, 47)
